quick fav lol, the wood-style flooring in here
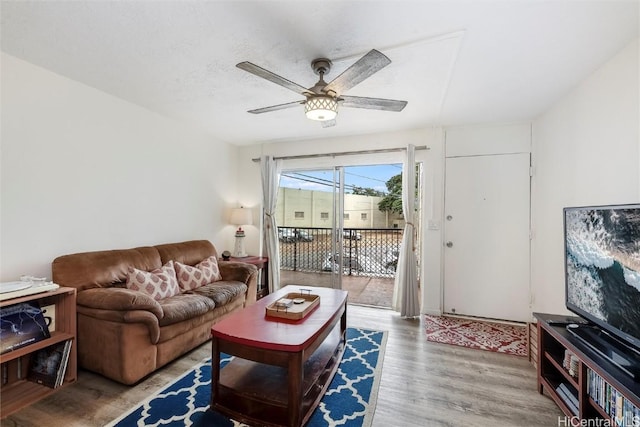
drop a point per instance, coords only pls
(422, 384)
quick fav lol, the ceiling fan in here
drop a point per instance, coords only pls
(322, 100)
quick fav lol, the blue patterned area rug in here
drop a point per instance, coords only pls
(350, 399)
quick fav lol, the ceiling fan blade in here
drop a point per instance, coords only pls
(276, 107)
(365, 67)
(372, 103)
(328, 123)
(274, 78)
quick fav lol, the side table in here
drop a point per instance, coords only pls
(263, 275)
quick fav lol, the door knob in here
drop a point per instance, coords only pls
(449, 244)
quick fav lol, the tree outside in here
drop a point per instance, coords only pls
(392, 202)
(362, 191)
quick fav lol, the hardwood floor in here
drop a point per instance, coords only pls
(422, 384)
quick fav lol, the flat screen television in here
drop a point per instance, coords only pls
(602, 268)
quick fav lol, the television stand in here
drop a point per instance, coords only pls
(608, 347)
(582, 382)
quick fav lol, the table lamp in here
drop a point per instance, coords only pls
(240, 216)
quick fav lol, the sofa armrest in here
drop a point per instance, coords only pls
(237, 271)
(242, 272)
(125, 316)
(119, 299)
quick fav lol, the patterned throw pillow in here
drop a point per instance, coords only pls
(159, 284)
(207, 271)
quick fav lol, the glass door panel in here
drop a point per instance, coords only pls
(309, 220)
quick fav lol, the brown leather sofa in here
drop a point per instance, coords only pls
(125, 334)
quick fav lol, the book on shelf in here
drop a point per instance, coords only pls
(65, 361)
(618, 413)
(49, 364)
(49, 313)
(570, 394)
(618, 407)
(568, 398)
(570, 363)
(21, 325)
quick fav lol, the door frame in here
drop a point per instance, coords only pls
(430, 197)
(454, 141)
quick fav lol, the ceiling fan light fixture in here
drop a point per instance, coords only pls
(321, 108)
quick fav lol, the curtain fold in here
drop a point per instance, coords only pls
(405, 291)
(270, 172)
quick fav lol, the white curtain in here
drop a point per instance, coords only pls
(270, 170)
(405, 291)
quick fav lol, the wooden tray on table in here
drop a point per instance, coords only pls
(303, 304)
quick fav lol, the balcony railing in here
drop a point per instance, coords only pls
(365, 251)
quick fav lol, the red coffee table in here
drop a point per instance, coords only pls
(282, 367)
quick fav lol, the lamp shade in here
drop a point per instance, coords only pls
(321, 108)
(240, 216)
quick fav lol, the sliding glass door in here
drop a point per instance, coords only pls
(310, 203)
(341, 227)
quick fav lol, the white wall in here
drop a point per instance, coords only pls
(486, 140)
(82, 170)
(586, 151)
(249, 184)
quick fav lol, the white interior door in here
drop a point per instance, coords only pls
(486, 268)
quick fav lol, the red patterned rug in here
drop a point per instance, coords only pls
(498, 337)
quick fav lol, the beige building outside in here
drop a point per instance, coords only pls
(308, 208)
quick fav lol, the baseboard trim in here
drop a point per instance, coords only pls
(486, 319)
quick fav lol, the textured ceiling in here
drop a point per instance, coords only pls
(455, 62)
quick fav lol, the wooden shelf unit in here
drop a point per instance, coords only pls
(553, 341)
(16, 391)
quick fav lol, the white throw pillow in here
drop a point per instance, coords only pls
(203, 273)
(159, 284)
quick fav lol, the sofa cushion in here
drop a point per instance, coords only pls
(102, 269)
(222, 292)
(182, 307)
(201, 274)
(159, 283)
(190, 253)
